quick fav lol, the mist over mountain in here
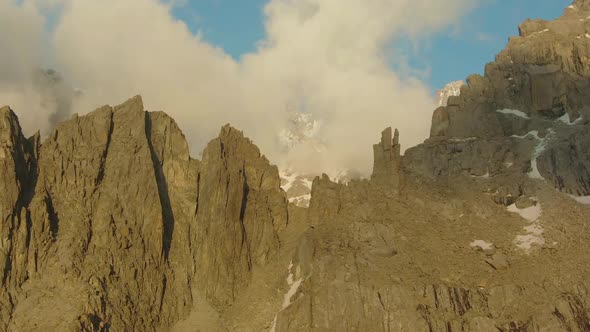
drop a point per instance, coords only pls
(317, 57)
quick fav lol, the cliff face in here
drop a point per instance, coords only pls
(241, 208)
(536, 90)
(479, 236)
(106, 222)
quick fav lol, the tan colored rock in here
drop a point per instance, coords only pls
(17, 180)
(115, 223)
(440, 122)
(110, 225)
(240, 209)
(387, 161)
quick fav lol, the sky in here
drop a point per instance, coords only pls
(354, 67)
(449, 55)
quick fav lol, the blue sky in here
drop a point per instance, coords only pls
(237, 25)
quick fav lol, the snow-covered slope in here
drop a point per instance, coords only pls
(451, 89)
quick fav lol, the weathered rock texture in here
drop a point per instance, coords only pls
(241, 207)
(414, 262)
(387, 161)
(110, 225)
(536, 91)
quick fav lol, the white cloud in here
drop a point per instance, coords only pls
(329, 55)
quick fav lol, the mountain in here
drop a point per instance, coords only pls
(110, 225)
(452, 89)
(301, 128)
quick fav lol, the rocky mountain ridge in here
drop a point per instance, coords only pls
(110, 225)
(106, 206)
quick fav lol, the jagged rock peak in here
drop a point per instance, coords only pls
(8, 123)
(232, 142)
(5, 109)
(133, 104)
(387, 160)
(241, 208)
(9, 120)
(229, 132)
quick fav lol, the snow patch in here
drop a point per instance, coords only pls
(533, 133)
(539, 148)
(536, 32)
(307, 183)
(482, 244)
(292, 290)
(534, 173)
(534, 229)
(301, 201)
(581, 199)
(533, 232)
(289, 177)
(340, 176)
(466, 139)
(566, 119)
(531, 213)
(287, 299)
(451, 89)
(520, 114)
(525, 242)
(485, 176)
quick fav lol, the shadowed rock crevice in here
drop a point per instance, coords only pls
(100, 176)
(53, 217)
(167, 212)
(245, 243)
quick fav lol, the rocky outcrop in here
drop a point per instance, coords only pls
(381, 266)
(542, 73)
(330, 199)
(240, 209)
(17, 176)
(537, 88)
(502, 145)
(109, 224)
(387, 161)
(566, 163)
(98, 225)
(470, 157)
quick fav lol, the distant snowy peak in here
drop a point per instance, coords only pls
(301, 127)
(451, 89)
(298, 185)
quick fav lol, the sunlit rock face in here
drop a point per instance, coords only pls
(535, 94)
(109, 224)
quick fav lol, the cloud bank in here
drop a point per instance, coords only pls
(324, 57)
